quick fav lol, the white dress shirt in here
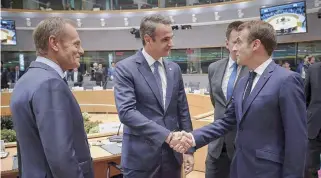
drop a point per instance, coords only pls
(52, 64)
(259, 71)
(161, 68)
(75, 76)
(227, 75)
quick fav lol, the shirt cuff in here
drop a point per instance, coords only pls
(194, 144)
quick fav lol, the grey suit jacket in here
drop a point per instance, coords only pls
(216, 73)
(49, 126)
(313, 99)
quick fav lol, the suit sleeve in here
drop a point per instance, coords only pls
(293, 110)
(128, 114)
(182, 108)
(218, 128)
(52, 108)
(307, 87)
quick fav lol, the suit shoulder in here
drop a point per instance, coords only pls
(127, 61)
(285, 74)
(216, 63)
(315, 66)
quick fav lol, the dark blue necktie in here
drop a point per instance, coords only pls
(231, 81)
(65, 80)
(249, 86)
(158, 78)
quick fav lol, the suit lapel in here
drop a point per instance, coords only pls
(147, 73)
(239, 95)
(243, 72)
(169, 77)
(220, 76)
(258, 87)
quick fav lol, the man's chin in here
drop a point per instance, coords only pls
(238, 61)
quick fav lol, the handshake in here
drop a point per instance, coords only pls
(180, 141)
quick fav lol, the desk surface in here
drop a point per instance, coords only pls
(97, 153)
(103, 101)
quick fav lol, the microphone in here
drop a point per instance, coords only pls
(116, 138)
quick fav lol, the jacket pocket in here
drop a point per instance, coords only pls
(268, 164)
(269, 155)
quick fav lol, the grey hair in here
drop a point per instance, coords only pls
(149, 23)
(51, 26)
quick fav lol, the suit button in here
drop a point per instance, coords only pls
(240, 129)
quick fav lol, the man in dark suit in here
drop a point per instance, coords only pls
(76, 77)
(4, 77)
(223, 75)
(111, 71)
(313, 100)
(151, 103)
(46, 116)
(15, 75)
(268, 107)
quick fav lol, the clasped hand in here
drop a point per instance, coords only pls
(181, 141)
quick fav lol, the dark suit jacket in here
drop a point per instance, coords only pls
(4, 78)
(216, 73)
(146, 122)
(313, 99)
(271, 138)
(13, 76)
(49, 126)
(79, 80)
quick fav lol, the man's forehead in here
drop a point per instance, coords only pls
(243, 33)
(163, 30)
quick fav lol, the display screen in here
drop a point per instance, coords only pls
(8, 32)
(286, 19)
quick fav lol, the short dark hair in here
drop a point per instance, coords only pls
(232, 26)
(149, 23)
(262, 31)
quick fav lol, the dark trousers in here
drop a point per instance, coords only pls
(218, 168)
(313, 157)
(168, 167)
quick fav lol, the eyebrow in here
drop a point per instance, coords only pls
(77, 41)
(168, 37)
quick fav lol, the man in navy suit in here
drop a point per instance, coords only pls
(46, 116)
(313, 100)
(151, 103)
(268, 107)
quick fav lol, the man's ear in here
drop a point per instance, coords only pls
(53, 43)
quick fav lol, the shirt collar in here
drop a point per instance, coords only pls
(230, 62)
(150, 60)
(52, 64)
(259, 70)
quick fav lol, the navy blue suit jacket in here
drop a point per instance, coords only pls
(146, 122)
(271, 139)
(49, 126)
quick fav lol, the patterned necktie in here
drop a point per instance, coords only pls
(231, 81)
(249, 86)
(158, 78)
